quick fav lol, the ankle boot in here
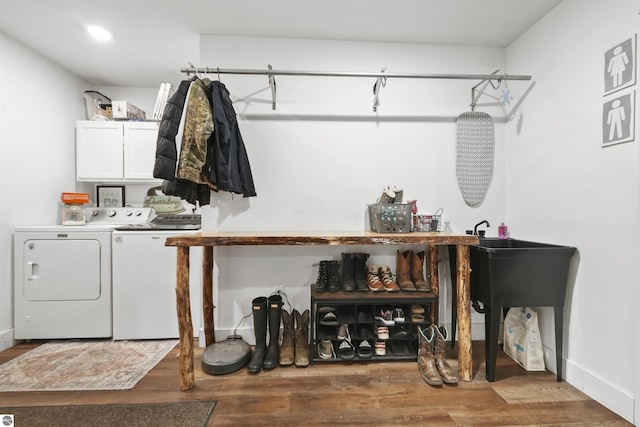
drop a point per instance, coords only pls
(360, 271)
(288, 338)
(259, 310)
(302, 337)
(440, 354)
(334, 282)
(273, 351)
(323, 277)
(416, 267)
(403, 272)
(346, 272)
(426, 361)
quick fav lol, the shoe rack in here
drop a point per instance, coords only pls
(363, 313)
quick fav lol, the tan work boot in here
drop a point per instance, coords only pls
(302, 338)
(416, 261)
(403, 272)
(287, 346)
(440, 354)
(426, 361)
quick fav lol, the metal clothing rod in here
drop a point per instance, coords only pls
(384, 75)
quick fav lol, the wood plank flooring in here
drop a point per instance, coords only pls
(362, 394)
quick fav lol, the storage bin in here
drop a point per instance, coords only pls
(390, 217)
(428, 222)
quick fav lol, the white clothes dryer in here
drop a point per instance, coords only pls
(62, 276)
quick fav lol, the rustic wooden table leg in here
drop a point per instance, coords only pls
(185, 325)
(465, 368)
(207, 295)
(434, 280)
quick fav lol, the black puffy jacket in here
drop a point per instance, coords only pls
(166, 152)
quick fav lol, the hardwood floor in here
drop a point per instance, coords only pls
(363, 394)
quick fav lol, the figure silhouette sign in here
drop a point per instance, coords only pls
(618, 120)
(620, 66)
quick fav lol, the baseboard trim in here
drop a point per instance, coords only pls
(6, 339)
(615, 399)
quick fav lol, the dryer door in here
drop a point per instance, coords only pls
(61, 270)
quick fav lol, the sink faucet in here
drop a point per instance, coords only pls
(475, 228)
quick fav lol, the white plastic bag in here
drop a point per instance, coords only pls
(522, 338)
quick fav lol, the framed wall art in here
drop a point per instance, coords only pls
(110, 196)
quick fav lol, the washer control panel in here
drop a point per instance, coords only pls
(110, 215)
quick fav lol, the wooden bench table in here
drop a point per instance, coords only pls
(207, 240)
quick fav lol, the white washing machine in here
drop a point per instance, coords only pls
(62, 276)
(144, 284)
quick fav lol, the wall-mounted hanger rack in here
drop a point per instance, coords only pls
(380, 77)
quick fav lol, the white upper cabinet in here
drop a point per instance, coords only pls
(115, 151)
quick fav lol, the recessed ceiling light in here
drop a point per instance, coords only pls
(99, 33)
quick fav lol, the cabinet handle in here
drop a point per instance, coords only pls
(34, 270)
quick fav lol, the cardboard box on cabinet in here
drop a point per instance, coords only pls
(124, 110)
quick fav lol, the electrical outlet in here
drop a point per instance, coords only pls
(278, 289)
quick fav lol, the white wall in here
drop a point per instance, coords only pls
(323, 154)
(563, 187)
(39, 103)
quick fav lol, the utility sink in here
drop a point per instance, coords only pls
(516, 273)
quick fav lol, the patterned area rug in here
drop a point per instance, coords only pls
(83, 365)
(183, 414)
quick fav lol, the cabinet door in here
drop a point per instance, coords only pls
(140, 150)
(99, 151)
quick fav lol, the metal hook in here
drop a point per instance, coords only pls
(272, 84)
(380, 81)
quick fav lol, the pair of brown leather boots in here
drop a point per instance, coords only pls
(432, 362)
(295, 338)
(410, 271)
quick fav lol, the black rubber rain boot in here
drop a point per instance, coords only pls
(273, 352)
(259, 310)
(360, 271)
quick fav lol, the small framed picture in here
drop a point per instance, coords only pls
(110, 196)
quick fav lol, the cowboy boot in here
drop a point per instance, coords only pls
(441, 336)
(302, 338)
(403, 272)
(426, 361)
(360, 271)
(288, 334)
(273, 351)
(259, 309)
(322, 283)
(346, 272)
(416, 262)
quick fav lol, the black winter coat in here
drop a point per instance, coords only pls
(227, 165)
